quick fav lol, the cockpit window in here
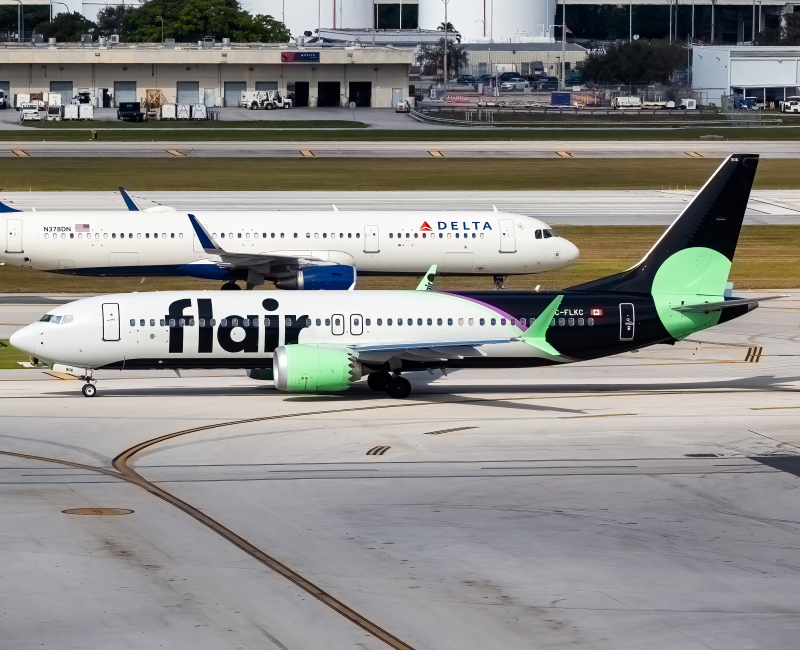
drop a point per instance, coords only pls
(56, 320)
(548, 234)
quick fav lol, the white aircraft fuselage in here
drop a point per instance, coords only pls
(164, 243)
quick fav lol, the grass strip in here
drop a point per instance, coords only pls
(308, 134)
(300, 174)
(10, 357)
(766, 258)
(216, 125)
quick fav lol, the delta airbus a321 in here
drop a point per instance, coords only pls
(328, 340)
(295, 250)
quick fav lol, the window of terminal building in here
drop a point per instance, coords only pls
(397, 16)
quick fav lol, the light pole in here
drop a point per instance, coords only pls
(162, 28)
(446, 2)
(19, 22)
(713, 5)
(563, 39)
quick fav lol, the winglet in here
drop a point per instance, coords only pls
(426, 284)
(128, 200)
(536, 333)
(206, 241)
(7, 208)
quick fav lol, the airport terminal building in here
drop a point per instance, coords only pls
(214, 75)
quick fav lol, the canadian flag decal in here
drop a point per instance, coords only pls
(425, 227)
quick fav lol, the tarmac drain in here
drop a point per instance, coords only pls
(98, 511)
(378, 451)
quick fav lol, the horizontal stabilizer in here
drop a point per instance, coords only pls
(705, 307)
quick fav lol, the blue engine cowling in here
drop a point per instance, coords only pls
(211, 271)
(333, 277)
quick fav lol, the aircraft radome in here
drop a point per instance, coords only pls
(296, 250)
(331, 339)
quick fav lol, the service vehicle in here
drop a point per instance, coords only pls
(790, 105)
(266, 99)
(130, 112)
(29, 112)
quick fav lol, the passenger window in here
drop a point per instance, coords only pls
(308, 322)
(481, 235)
(337, 322)
(471, 321)
(235, 322)
(113, 235)
(419, 321)
(281, 235)
(255, 322)
(152, 322)
(473, 235)
(223, 322)
(590, 321)
(439, 321)
(449, 235)
(522, 321)
(324, 235)
(399, 321)
(561, 322)
(327, 322)
(494, 321)
(133, 322)
(460, 321)
(391, 235)
(538, 234)
(379, 322)
(367, 322)
(308, 235)
(571, 322)
(482, 321)
(456, 235)
(388, 322)
(162, 322)
(246, 322)
(71, 235)
(191, 322)
(502, 321)
(319, 322)
(449, 321)
(358, 235)
(341, 235)
(416, 235)
(138, 235)
(182, 322)
(147, 235)
(430, 321)
(580, 322)
(172, 235)
(440, 235)
(295, 235)
(105, 235)
(202, 322)
(424, 235)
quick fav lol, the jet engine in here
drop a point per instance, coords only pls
(332, 277)
(305, 368)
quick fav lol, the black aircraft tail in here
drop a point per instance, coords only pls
(711, 222)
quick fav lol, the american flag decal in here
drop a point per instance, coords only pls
(82, 227)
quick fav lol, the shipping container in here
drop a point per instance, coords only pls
(69, 112)
(85, 111)
(182, 112)
(168, 112)
(198, 111)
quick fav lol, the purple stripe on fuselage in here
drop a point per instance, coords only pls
(496, 310)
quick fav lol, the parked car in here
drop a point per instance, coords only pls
(547, 83)
(465, 80)
(516, 83)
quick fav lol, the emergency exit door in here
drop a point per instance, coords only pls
(356, 324)
(627, 321)
(371, 244)
(508, 240)
(14, 236)
(110, 321)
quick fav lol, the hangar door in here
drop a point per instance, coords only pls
(110, 321)
(266, 85)
(361, 93)
(328, 93)
(124, 91)
(188, 92)
(63, 88)
(233, 92)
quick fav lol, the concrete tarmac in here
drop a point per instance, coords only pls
(647, 500)
(618, 208)
(299, 148)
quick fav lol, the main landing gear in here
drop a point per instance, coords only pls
(499, 282)
(89, 390)
(230, 286)
(394, 385)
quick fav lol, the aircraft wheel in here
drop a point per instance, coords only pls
(379, 381)
(399, 388)
(230, 286)
(89, 390)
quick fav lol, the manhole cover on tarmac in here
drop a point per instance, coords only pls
(97, 511)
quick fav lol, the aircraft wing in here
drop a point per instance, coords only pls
(706, 307)
(259, 262)
(423, 350)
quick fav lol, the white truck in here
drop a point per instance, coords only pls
(790, 104)
(626, 102)
(268, 99)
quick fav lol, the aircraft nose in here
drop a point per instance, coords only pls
(572, 252)
(24, 339)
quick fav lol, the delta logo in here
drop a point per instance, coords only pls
(425, 227)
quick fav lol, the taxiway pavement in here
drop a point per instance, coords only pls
(618, 208)
(647, 500)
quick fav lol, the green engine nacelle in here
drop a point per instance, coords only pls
(314, 368)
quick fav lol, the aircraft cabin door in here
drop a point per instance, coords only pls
(356, 324)
(14, 236)
(508, 240)
(371, 244)
(110, 321)
(337, 324)
(627, 321)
